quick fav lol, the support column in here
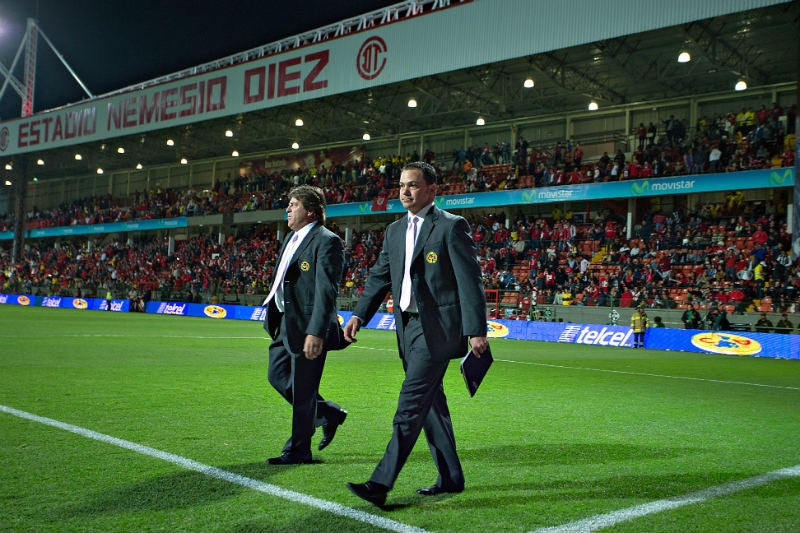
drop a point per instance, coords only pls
(629, 218)
(795, 228)
(20, 196)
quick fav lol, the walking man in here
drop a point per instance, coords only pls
(302, 321)
(430, 265)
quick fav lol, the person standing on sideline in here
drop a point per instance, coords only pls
(302, 322)
(784, 325)
(691, 318)
(764, 324)
(639, 325)
(429, 263)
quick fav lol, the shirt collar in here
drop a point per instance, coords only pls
(302, 232)
(421, 214)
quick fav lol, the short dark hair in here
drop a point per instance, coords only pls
(312, 198)
(428, 171)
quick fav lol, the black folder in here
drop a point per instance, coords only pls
(474, 369)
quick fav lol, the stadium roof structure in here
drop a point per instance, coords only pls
(759, 46)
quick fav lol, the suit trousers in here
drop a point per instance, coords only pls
(297, 380)
(422, 405)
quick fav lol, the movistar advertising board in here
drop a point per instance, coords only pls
(694, 184)
(100, 229)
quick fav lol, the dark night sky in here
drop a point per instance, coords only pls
(111, 44)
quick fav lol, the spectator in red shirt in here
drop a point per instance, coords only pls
(760, 236)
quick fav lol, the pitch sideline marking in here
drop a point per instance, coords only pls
(370, 348)
(688, 378)
(623, 515)
(189, 464)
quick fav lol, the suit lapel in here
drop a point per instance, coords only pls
(297, 250)
(395, 242)
(307, 241)
(283, 248)
(425, 231)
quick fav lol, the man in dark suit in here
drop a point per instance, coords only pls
(302, 321)
(429, 263)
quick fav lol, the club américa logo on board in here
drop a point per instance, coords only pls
(725, 343)
(215, 311)
(496, 329)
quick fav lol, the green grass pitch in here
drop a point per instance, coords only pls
(556, 435)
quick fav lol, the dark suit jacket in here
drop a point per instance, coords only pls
(310, 286)
(446, 280)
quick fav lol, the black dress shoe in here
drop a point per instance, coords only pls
(374, 493)
(291, 459)
(329, 431)
(435, 490)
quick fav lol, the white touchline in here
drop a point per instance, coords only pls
(623, 515)
(688, 378)
(189, 464)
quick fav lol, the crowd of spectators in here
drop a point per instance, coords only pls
(731, 142)
(673, 261)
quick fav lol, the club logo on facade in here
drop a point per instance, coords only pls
(371, 58)
(3, 139)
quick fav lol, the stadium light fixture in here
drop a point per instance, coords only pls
(684, 57)
(184, 161)
(298, 122)
(528, 83)
(235, 153)
(40, 162)
(295, 145)
(170, 142)
(8, 182)
(78, 157)
(593, 106)
(9, 166)
(366, 136)
(120, 150)
(139, 166)
(741, 85)
(99, 170)
(412, 102)
(480, 121)
(228, 133)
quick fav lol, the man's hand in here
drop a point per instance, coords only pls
(312, 347)
(478, 345)
(350, 329)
